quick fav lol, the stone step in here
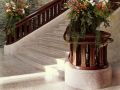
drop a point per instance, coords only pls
(4, 81)
(64, 24)
(39, 57)
(30, 60)
(58, 46)
(53, 39)
(58, 34)
(54, 70)
(10, 66)
(48, 43)
(60, 28)
(49, 51)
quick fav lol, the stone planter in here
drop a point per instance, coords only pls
(88, 65)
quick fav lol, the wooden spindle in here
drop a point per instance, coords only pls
(34, 23)
(51, 13)
(71, 53)
(25, 29)
(48, 15)
(83, 55)
(105, 55)
(39, 19)
(43, 18)
(101, 59)
(92, 55)
(55, 10)
(20, 32)
(78, 55)
(74, 54)
(30, 26)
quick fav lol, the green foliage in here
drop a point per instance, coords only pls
(15, 10)
(2, 23)
(86, 16)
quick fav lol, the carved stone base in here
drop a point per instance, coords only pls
(87, 79)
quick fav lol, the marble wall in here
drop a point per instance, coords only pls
(114, 29)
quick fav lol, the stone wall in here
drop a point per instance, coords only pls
(2, 22)
(114, 29)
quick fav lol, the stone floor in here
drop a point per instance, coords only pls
(43, 82)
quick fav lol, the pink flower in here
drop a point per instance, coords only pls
(7, 5)
(21, 11)
(101, 6)
(8, 10)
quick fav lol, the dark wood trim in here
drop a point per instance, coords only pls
(87, 56)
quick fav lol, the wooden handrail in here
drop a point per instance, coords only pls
(115, 4)
(37, 19)
(38, 11)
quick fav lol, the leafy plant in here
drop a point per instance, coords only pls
(86, 17)
(2, 23)
(15, 11)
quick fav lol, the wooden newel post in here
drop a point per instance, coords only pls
(85, 55)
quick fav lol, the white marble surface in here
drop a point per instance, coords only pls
(87, 79)
(43, 82)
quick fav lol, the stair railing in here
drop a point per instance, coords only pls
(115, 4)
(37, 19)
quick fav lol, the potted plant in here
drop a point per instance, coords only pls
(15, 11)
(87, 66)
(88, 44)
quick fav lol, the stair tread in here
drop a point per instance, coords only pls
(39, 57)
(29, 60)
(46, 40)
(50, 44)
(15, 68)
(52, 52)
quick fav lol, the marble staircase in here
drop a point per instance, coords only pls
(45, 51)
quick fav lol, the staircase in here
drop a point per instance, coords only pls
(47, 49)
(42, 48)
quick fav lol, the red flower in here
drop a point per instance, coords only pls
(100, 6)
(20, 11)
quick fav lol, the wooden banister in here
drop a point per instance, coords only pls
(37, 19)
(115, 4)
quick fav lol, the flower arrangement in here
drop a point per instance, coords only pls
(15, 11)
(86, 17)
